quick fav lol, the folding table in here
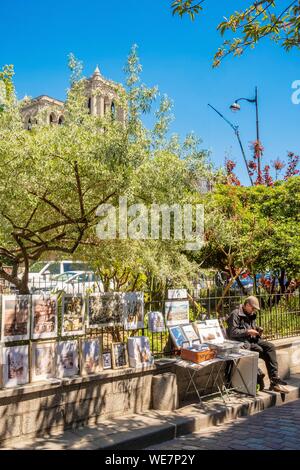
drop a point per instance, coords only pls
(241, 375)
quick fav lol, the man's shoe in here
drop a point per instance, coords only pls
(278, 385)
(279, 381)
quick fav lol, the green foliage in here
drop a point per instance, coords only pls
(277, 20)
(190, 7)
(53, 178)
(255, 228)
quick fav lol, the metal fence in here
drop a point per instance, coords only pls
(279, 317)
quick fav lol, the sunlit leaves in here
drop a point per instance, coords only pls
(277, 20)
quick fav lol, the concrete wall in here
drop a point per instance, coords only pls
(288, 356)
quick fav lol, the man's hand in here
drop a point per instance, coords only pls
(252, 333)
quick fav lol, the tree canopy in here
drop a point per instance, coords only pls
(53, 178)
(254, 228)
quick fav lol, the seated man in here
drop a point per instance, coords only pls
(242, 327)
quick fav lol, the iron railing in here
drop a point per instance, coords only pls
(279, 317)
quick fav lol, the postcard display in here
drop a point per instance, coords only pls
(35, 317)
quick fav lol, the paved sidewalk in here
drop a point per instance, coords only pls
(276, 428)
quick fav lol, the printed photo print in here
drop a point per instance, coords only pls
(177, 312)
(105, 309)
(91, 356)
(43, 360)
(44, 316)
(15, 366)
(72, 315)
(15, 317)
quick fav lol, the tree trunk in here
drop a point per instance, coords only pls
(227, 288)
(24, 288)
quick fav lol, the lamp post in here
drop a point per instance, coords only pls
(236, 107)
(237, 133)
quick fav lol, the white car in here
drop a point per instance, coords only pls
(80, 283)
(42, 274)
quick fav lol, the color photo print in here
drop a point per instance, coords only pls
(67, 359)
(119, 356)
(43, 360)
(72, 315)
(105, 309)
(15, 318)
(156, 322)
(134, 310)
(178, 336)
(44, 316)
(107, 359)
(139, 351)
(177, 312)
(15, 366)
(91, 356)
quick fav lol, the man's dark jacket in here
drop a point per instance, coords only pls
(238, 324)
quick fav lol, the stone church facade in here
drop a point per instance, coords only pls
(101, 96)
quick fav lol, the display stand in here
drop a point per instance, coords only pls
(241, 375)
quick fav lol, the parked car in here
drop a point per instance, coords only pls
(42, 274)
(80, 283)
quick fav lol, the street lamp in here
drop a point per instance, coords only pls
(237, 134)
(235, 107)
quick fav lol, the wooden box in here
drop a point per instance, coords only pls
(193, 355)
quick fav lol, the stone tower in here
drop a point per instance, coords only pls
(101, 99)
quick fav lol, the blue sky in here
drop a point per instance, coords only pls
(176, 55)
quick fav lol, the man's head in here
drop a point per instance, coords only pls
(251, 305)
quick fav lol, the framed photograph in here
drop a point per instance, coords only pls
(105, 309)
(15, 366)
(178, 336)
(119, 355)
(67, 359)
(156, 322)
(134, 310)
(107, 359)
(15, 318)
(139, 352)
(217, 330)
(44, 316)
(177, 312)
(43, 360)
(177, 294)
(72, 315)
(91, 356)
(209, 332)
(190, 334)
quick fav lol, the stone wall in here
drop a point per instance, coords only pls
(36, 408)
(33, 409)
